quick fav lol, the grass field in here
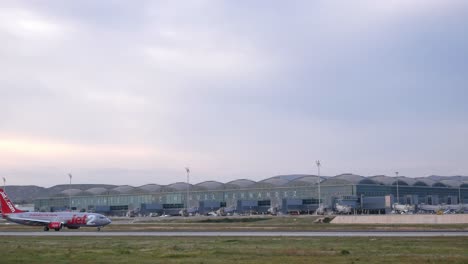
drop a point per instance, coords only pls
(232, 250)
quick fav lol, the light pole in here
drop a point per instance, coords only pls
(69, 192)
(459, 194)
(318, 181)
(4, 184)
(187, 169)
(397, 191)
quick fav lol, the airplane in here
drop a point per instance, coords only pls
(343, 209)
(458, 208)
(444, 208)
(54, 220)
(403, 208)
(430, 208)
(321, 210)
(273, 210)
(212, 213)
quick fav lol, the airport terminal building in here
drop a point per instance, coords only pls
(286, 193)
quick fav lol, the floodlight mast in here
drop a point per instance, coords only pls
(318, 182)
(459, 192)
(397, 189)
(4, 184)
(187, 170)
(69, 192)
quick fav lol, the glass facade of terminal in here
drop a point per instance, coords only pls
(271, 192)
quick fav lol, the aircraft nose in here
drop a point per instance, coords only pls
(108, 221)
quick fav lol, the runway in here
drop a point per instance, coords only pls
(239, 234)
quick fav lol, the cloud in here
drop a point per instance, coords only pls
(38, 151)
(233, 89)
(27, 24)
(204, 61)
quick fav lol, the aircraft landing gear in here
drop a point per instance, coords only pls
(46, 228)
(99, 229)
(58, 228)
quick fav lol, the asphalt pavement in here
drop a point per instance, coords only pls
(241, 234)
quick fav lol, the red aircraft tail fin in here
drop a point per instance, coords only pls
(7, 206)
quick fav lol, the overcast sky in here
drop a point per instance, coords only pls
(131, 92)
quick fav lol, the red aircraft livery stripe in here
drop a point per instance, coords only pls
(76, 220)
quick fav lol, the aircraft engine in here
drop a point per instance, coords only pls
(55, 225)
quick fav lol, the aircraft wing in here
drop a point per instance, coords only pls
(29, 221)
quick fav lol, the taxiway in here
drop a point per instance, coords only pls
(241, 234)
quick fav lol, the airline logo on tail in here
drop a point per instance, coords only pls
(6, 204)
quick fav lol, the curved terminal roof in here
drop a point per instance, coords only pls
(291, 177)
(272, 182)
(70, 192)
(423, 182)
(179, 186)
(353, 178)
(306, 180)
(450, 183)
(124, 189)
(439, 184)
(210, 185)
(405, 181)
(242, 183)
(349, 177)
(383, 180)
(275, 181)
(97, 190)
(151, 188)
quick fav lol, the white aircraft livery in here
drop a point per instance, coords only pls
(53, 220)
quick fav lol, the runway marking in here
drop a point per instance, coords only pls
(240, 234)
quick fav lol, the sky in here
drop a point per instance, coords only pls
(132, 92)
